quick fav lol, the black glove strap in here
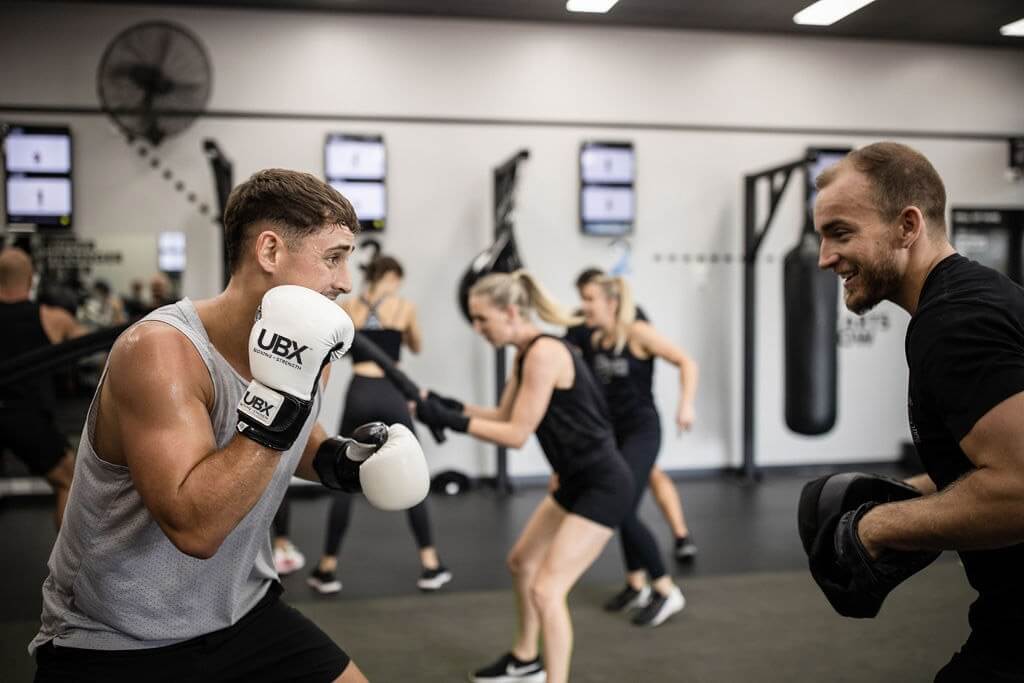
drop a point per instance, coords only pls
(284, 430)
(338, 459)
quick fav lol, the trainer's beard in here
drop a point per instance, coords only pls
(875, 284)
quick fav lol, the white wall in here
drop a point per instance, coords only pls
(690, 188)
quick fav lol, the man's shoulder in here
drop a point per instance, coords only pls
(150, 347)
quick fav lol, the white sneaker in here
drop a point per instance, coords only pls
(660, 608)
(433, 579)
(288, 559)
(323, 582)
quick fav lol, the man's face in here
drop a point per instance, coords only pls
(856, 242)
(319, 261)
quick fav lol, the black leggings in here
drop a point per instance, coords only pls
(371, 399)
(640, 448)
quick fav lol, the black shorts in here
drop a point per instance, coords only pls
(33, 437)
(602, 492)
(273, 642)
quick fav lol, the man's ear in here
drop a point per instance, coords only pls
(269, 247)
(911, 226)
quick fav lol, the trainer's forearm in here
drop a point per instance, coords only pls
(984, 509)
(218, 493)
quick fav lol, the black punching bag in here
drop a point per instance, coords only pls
(811, 317)
(500, 257)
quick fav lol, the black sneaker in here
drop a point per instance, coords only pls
(628, 598)
(685, 549)
(433, 579)
(660, 608)
(323, 582)
(509, 669)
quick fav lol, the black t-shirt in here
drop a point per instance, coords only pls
(579, 335)
(965, 350)
(22, 333)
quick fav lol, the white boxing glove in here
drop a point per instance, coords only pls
(395, 477)
(297, 332)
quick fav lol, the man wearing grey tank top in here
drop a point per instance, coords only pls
(163, 568)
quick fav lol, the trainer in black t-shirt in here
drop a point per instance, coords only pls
(965, 350)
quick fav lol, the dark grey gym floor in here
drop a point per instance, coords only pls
(753, 611)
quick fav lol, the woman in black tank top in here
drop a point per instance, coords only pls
(621, 353)
(551, 394)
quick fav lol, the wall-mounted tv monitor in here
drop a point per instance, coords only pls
(37, 175)
(820, 159)
(607, 188)
(170, 251)
(356, 166)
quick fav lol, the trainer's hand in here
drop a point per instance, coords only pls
(297, 332)
(873, 571)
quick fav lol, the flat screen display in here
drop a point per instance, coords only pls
(607, 188)
(368, 199)
(170, 252)
(356, 166)
(821, 158)
(37, 171)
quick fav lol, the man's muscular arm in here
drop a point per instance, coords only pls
(158, 389)
(981, 510)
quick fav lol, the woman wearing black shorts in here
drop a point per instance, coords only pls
(552, 394)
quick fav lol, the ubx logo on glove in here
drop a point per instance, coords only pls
(260, 403)
(282, 346)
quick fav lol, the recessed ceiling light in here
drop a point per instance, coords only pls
(828, 12)
(1015, 28)
(596, 6)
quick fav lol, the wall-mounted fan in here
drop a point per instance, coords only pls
(154, 80)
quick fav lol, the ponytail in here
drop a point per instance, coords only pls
(520, 289)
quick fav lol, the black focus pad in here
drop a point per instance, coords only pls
(854, 584)
(836, 494)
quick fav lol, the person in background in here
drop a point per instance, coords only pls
(27, 425)
(388, 320)
(662, 487)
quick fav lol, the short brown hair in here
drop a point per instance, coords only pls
(381, 266)
(901, 177)
(298, 204)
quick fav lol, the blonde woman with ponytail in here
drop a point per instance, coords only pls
(552, 394)
(621, 352)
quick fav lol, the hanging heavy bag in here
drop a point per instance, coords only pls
(500, 257)
(811, 316)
